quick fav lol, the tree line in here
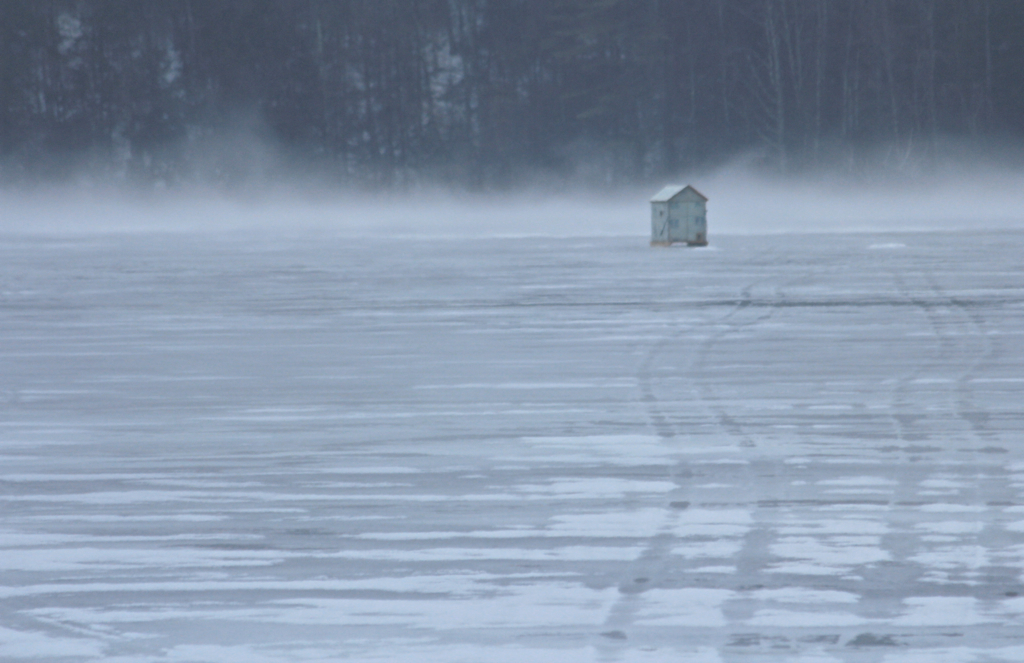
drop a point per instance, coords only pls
(488, 93)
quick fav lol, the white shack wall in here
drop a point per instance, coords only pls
(660, 222)
(679, 218)
(687, 221)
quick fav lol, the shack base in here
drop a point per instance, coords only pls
(655, 243)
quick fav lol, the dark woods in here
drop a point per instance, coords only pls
(489, 93)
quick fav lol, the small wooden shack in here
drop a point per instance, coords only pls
(679, 214)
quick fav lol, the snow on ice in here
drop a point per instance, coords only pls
(799, 447)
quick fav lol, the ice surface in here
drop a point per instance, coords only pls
(315, 448)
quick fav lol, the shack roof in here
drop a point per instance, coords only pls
(673, 190)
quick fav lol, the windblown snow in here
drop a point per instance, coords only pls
(795, 447)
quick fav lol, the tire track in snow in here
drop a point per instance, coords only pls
(652, 565)
(645, 373)
(967, 406)
(987, 480)
(900, 402)
(917, 558)
(700, 366)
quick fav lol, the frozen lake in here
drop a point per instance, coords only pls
(782, 448)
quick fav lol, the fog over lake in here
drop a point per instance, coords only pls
(333, 331)
(977, 194)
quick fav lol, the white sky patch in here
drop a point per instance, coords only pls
(70, 29)
(171, 65)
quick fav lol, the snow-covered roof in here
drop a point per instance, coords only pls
(673, 190)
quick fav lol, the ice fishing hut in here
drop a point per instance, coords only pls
(679, 214)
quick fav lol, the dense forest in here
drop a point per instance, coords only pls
(490, 93)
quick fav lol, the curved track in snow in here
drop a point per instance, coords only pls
(309, 449)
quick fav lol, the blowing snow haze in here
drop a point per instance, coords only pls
(973, 197)
(423, 96)
(330, 331)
